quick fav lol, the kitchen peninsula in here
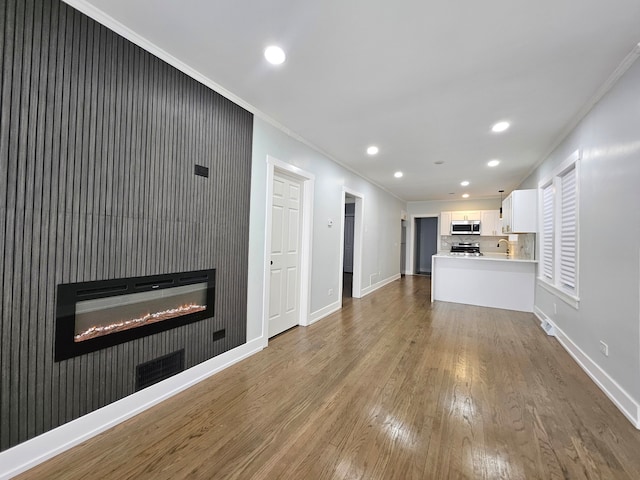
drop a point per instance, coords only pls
(492, 280)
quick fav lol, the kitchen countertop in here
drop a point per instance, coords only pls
(500, 257)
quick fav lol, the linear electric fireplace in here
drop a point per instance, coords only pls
(95, 315)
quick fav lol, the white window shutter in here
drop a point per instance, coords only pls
(568, 220)
(547, 231)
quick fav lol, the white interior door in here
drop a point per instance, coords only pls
(284, 295)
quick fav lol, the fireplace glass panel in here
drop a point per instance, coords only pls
(102, 316)
(99, 314)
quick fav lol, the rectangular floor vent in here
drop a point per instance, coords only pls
(159, 369)
(547, 327)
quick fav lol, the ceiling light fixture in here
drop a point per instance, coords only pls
(493, 163)
(465, 195)
(274, 55)
(372, 150)
(465, 183)
(500, 127)
(398, 174)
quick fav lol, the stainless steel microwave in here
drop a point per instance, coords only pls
(465, 227)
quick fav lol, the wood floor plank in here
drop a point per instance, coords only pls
(390, 387)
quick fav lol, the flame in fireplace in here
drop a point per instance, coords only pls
(99, 330)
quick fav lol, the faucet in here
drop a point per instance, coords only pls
(506, 241)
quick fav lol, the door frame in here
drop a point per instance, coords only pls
(403, 224)
(411, 237)
(358, 224)
(307, 180)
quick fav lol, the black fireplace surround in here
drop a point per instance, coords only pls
(94, 315)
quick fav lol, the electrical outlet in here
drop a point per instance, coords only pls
(555, 309)
(604, 348)
(330, 292)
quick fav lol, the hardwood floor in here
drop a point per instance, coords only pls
(391, 387)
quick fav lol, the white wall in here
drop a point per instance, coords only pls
(609, 243)
(382, 211)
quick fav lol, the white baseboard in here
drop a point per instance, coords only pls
(372, 288)
(621, 399)
(28, 454)
(324, 312)
(334, 307)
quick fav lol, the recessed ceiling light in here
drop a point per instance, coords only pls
(465, 195)
(372, 150)
(500, 127)
(398, 174)
(465, 183)
(274, 55)
(493, 163)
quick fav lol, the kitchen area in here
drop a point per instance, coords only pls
(488, 257)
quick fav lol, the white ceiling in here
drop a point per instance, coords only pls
(422, 79)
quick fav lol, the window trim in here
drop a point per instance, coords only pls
(553, 285)
(569, 299)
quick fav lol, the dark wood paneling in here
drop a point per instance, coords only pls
(98, 141)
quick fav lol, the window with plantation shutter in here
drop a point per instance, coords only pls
(559, 233)
(568, 210)
(547, 231)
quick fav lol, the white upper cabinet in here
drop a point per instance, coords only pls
(506, 215)
(519, 212)
(490, 224)
(445, 223)
(475, 215)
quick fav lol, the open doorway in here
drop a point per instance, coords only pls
(426, 244)
(347, 259)
(403, 247)
(352, 236)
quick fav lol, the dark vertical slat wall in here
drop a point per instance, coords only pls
(98, 142)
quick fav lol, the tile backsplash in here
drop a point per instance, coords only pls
(525, 247)
(522, 245)
(487, 244)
